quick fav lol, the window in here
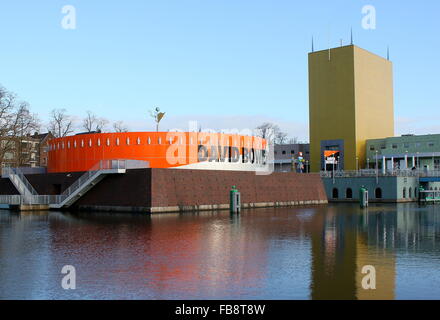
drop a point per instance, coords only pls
(292, 152)
(82, 143)
(99, 142)
(410, 193)
(394, 145)
(383, 146)
(418, 144)
(90, 142)
(159, 141)
(378, 193)
(74, 144)
(117, 141)
(404, 193)
(349, 193)
(335, 193)
(149, 140)
(284, 152)
(128, 141)
(108, 142)
(68, 144)
(372, 148)
(138, 141)
(431, 144)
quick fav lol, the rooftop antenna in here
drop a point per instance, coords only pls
(388, 53)
(313, 47)
(341, 42)
(351, 36)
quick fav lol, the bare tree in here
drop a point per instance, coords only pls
(267, 131)
(61, 124)
(92, 123)
(280, 137)
(16, 123)
(120, 126)
(293, 140)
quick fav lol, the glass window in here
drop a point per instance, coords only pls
(99, 142)
(372, 148)
(128, 141)
(394, 145)
(138, 141)
(74, 144)
(108, 142)
(406, 145)
(117, 141)
(431, 144)
(383, 146)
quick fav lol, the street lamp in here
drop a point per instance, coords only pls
(368, 163)
(377, 168)
(357, 163)
(406, 159)
(377, 163)
(418, 162)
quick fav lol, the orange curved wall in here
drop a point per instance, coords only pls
(160, 149)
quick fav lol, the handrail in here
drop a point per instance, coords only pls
(101, 165)
(15, 174)
(420, 173)
(33, 198)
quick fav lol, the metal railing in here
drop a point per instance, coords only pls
(379, 173)
(19, 180)
(96, 169)
(29, 196)
(29, 199)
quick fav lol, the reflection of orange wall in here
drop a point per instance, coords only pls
(82, 152)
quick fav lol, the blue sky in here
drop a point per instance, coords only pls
(224, 63)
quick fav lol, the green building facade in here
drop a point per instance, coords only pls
(405, 152)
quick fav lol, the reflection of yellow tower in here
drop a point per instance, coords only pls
(351, 101)
(385, 264)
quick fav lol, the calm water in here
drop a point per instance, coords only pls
(298, 253)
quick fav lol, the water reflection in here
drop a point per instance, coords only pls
(296, 253)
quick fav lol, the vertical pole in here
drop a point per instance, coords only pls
(406, 160)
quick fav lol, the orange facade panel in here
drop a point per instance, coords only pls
(160, 149)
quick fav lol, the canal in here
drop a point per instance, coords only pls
(289, 253)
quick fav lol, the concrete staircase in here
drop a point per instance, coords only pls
(87, 181)
(19, 181)
(29, 198)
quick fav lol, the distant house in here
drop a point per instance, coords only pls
(27, 151)
(43, 147)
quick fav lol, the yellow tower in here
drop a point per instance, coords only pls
(351, 101)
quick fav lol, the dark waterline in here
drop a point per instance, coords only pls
(295, 253)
